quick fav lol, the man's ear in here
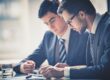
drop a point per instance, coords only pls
(82, 14)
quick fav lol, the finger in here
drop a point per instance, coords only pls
(57, 65)
(31, 63)
(61, 65)
(65, 64)
(43, 69)
(28, 71)
(48, 73)
(49, 70)
(28, 66)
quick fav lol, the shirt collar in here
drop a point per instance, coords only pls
(95, 23)
(66, 35)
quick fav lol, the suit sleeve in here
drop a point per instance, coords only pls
(99, 71)
(38, 56)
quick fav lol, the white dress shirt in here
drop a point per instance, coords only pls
(66, 37)
(95, 23)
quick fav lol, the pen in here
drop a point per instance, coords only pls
(28, 76)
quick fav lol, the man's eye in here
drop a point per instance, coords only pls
(52, 20)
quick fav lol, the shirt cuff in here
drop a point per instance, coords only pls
(67, 72)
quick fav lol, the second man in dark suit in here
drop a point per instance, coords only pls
(82, 14)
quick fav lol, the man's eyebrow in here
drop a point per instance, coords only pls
(51, 19)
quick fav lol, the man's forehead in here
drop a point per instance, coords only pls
(51, 13)
(48, 15)
(65, 15)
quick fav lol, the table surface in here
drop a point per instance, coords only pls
(38, 77)
(23, 77)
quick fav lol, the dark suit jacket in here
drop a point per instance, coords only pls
(101, 56)
(46, 50)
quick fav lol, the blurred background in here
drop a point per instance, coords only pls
(21, 31)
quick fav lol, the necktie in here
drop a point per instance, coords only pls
(91, 42)
(62, 51)
(91, 36)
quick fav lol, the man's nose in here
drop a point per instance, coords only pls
(51, 26)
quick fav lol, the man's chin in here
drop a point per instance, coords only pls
(83, 29)
(56, 34)
(76, 29)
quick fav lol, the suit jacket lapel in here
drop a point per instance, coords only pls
(52, 50)
(97, 38)
(72, 45)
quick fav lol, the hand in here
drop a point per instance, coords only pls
(51, 71)
(43, 69)
(27, 67)
(61, 65)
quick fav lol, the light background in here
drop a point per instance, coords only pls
(21, 31)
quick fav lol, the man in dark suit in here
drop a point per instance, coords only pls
(82, 14)
(75, 46)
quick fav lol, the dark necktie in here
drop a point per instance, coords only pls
(62, 51)
(91, 42)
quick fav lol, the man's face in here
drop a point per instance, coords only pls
(55, 23)
(76, 21)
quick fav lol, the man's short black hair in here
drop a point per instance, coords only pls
(47, 6)
(74, 6)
